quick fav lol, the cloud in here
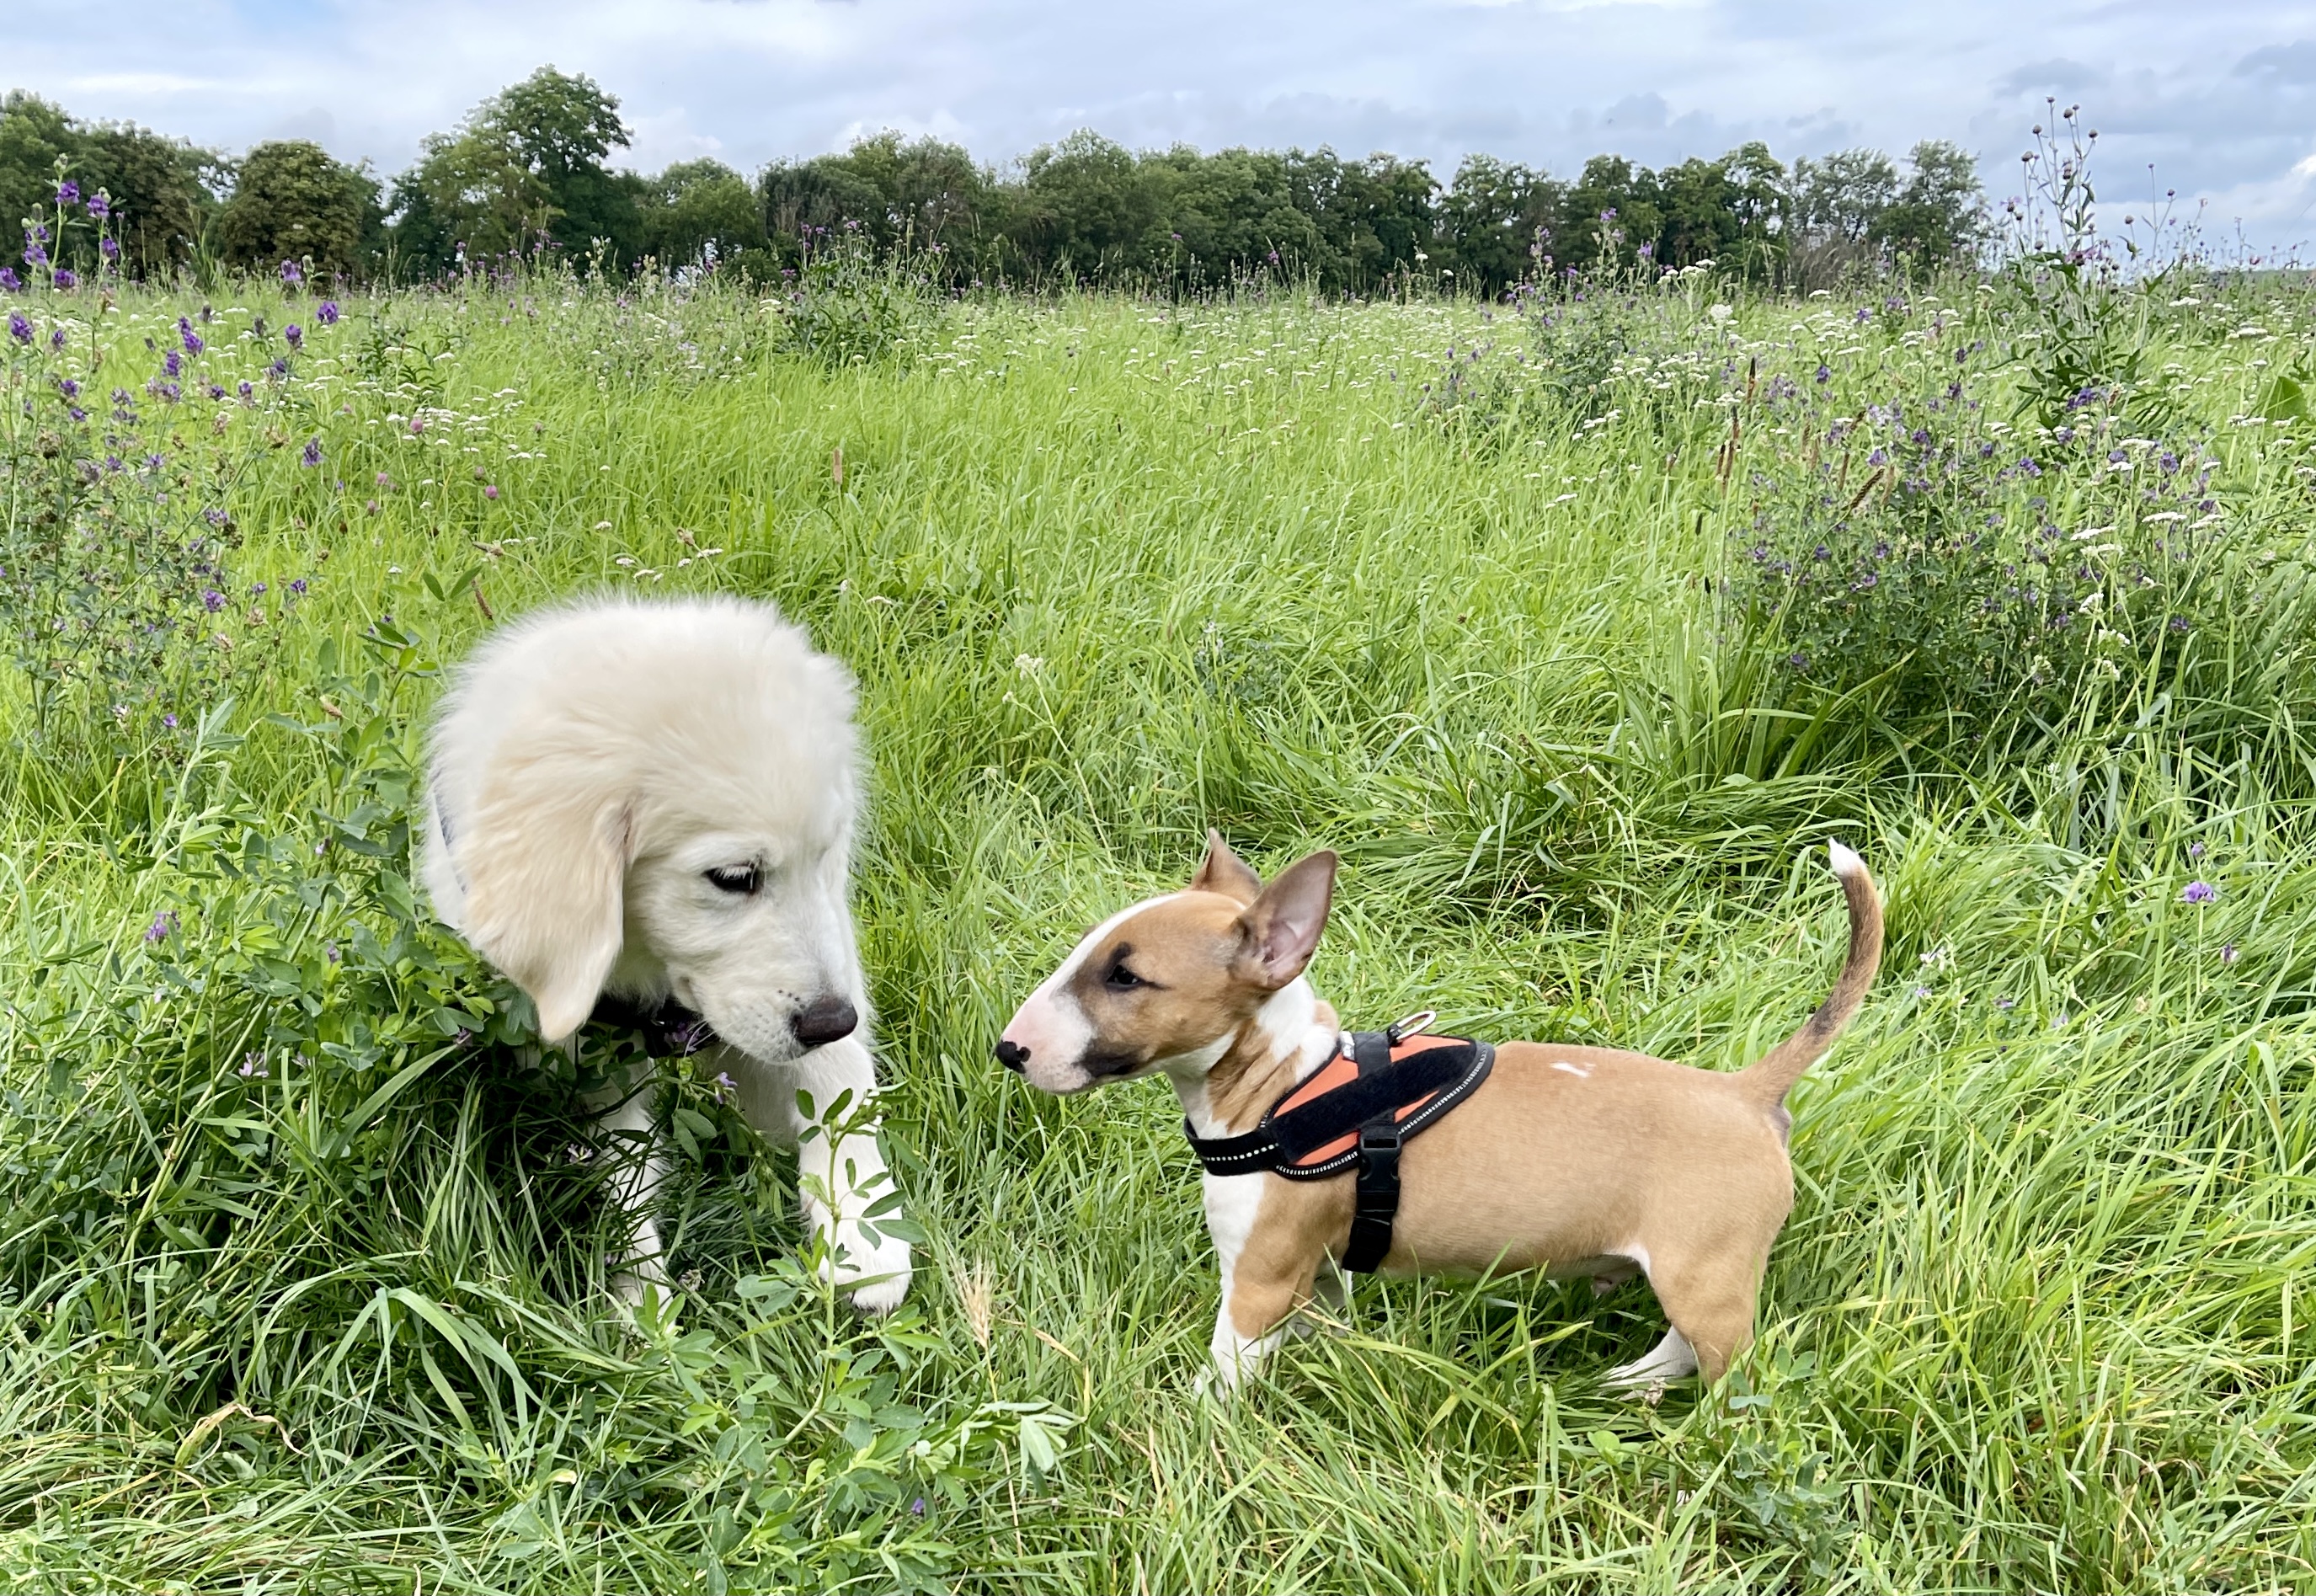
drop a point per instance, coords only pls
(315, 125)
(2058, 72)
(142, 86)
(2291, 64)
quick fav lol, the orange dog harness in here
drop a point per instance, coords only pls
(1377, 1090)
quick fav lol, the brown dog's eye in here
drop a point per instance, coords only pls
(742, 880)
(1121, 979)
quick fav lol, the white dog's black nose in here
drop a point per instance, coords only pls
(1013, 1055)
(823, 1019)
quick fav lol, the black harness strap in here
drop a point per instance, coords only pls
(1379, 1143)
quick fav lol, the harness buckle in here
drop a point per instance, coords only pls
(1380, 1137)
(1399, 1030)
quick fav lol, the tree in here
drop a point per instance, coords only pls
(162, 190)
(1372, 215)
(1086, 208)
(561, 129)
(525, 167)
(1839, 202)
(1610, 213)
(290, 201)
(1497, 222)
(34, 136)
(1939, 219)
(694, 205)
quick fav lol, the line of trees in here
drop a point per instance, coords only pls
(530, 169)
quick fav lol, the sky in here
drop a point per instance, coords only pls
(2218, 97)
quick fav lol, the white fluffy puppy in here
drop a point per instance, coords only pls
(655, 801)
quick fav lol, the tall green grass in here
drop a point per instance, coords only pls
(1110, 572)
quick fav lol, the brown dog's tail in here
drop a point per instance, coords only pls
(1772, 1076)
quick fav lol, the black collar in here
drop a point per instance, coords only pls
(668, 1029)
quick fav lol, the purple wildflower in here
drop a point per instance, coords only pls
(296, 334)
(212, 600)
(173, 362)
(313, 455)
(65, 278)
(109, 247)
(256, 588)
(9, 280)
(291, 274)
(35, 253)
(67, 192)
(57, 339)
(2196, 850)
(2228, 954)
(328, 314)
(491, 492)
(297, 585)
(19, 329)
(69, 388)
(101, 205)
(170, 721)
(245, 390)
(163, 925)
(194, 345)
(2199, 891)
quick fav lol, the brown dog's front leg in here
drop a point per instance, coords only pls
(1269, 1279)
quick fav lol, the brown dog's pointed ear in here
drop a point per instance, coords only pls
(1281, 927)
(545, 858)
(1224, 872)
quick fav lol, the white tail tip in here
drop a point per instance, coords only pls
(1846, 862)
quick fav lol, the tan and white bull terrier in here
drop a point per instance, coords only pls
(1577, 1161)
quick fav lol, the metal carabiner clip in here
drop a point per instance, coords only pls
(1399, 1030)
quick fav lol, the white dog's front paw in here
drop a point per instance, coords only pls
(881, 1296)
(877, 1277)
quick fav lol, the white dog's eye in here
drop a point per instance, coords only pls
(742, 879)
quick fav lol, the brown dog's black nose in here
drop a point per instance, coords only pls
(1013, 1055)
(823, 1019)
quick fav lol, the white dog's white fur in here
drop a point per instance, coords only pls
(591, 768)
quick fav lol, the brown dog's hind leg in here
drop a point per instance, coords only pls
(1710, 1302)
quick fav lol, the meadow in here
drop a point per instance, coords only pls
(1577, 624)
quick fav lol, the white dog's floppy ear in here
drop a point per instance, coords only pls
(1281, 927)
(546, 860)
(1224, 872)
